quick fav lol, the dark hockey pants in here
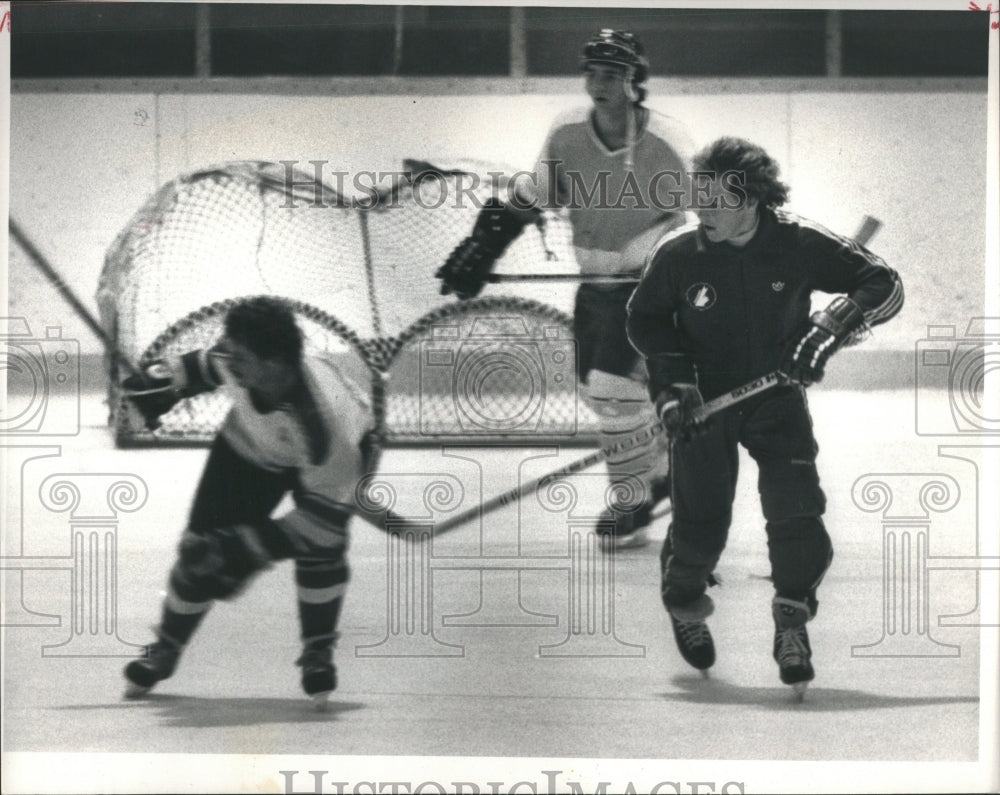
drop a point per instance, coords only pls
(776, 430)
(230, 538)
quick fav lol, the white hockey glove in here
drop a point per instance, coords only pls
(826, 333)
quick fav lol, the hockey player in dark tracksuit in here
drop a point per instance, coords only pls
(723, 302)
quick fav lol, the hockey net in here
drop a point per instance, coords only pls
(358, 271)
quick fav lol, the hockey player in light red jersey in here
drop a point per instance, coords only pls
(296, 425)
(620, 170)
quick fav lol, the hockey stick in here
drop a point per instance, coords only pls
(589, 278)
(395, 523)
(67, 293)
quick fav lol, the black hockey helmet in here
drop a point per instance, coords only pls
(617, 47)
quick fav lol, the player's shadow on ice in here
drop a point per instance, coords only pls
(203, 713)
(697, 690)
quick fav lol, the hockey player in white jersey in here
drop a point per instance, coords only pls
(296, 426)
(620, 170)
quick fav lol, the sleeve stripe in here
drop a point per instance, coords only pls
(677, 231)
(893, 302)
(890, 306)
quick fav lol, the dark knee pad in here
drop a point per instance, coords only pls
(682, 578)
(216, 564)
(790, 489)
(800, 551)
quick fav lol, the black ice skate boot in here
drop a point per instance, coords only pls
(694, 641)
(791, 643)
(319, 676)
(157, 663)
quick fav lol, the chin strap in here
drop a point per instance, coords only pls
(630, 120)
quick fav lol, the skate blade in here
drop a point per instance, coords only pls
(133, 691)
(635, 540)
(321, 700)
(799, 691)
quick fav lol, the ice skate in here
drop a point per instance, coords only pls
(791, 645)
(623, 528)
(694, 641)
(319, 677)
(157, 663)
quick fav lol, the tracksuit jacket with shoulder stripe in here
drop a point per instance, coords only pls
(733, 312)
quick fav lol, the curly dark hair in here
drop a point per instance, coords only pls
(758, 170)
(267, 327)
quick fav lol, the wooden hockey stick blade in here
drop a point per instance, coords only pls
(67, 293)
(393, 523)
(589, 278)
(870, 225)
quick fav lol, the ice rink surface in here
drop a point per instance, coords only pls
(511, 639)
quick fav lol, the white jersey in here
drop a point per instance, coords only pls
(617, 211)
(280, 439)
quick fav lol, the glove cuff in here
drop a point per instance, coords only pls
(841, 318)
(498, 225)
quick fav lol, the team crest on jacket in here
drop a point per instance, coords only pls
(777, 286)
(700, 296)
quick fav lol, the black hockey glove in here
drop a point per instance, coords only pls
(677, 407)
(826, 333)
(468, 266)
(153, 395)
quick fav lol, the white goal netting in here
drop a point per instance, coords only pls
(359, 273)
